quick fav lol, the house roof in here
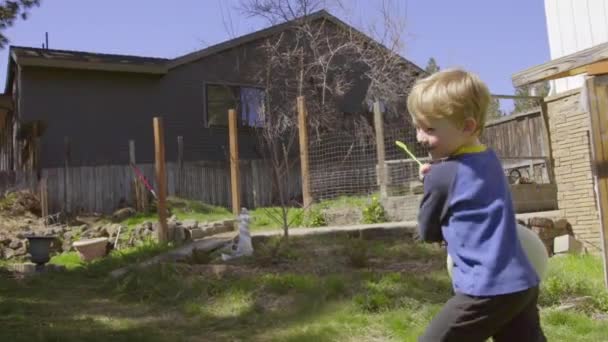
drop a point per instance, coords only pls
(267, 32)
(29, 56)
(87, 60)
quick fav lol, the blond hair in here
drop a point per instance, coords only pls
(453, 94)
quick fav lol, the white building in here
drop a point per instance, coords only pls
(572, 26)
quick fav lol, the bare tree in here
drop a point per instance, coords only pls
(322, 60)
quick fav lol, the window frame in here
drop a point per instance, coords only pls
(239, 85)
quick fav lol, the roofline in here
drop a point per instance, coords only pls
(263, 33)
(165, 65)
(80, 65)
(247, 38)
(87, 65)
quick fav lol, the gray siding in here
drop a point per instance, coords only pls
(101, 111)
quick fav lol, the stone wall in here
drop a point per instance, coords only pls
(569, 133)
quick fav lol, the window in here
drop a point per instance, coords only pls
(248, 101)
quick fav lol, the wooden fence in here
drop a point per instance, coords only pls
(517, 135)
(522, 143)
(520, 140)
(104, 188)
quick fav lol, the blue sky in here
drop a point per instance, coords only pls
(490, 37)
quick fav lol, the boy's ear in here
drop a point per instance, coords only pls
(470, 125)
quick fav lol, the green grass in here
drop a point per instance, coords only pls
(116, 259)
(307, 291)
(266, 218)
(575, 276)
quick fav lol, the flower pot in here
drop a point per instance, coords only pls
(39, 248)
(91, 249)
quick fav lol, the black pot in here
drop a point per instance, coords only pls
(40, 248)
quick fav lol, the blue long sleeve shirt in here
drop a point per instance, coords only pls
(467, 203)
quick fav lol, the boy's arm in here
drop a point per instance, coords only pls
(434, 202)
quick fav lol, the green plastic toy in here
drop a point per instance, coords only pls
(404, 147)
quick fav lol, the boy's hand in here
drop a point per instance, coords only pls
(423, 170)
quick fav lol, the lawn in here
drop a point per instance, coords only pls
(317, 289)
(265, 218)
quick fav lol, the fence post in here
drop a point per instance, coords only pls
(381, 168)
(598, 105)
(234, 162)
(36, 150)
(66, 176)
(44, 202)
(161, 179)
(530, 153)
(180, 165)
(547, 146)
(136, 187)
(304, 165)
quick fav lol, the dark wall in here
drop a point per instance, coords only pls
(101, 111)
(98, 111)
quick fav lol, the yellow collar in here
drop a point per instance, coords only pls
(469, 149)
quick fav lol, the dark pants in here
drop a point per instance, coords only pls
(510, 317)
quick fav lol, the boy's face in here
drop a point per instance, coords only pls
(442, 137)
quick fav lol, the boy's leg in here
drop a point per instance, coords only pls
(525, 326)
(466, 318)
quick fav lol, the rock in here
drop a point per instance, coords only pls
(123, 214)
(541, 222)
(190, 224)
(563, 227)
(15, 244)
(5, 240)
(21, 251)
(197, 233)
(9, 253)
(87, 219)
(179, 235)
(148, 225)
(24, 268)
(171, 228)
(342, 216)
(229, 224)
(23, 234)
(113, 229)
(68, 235)
(576, 303)
(66, 246)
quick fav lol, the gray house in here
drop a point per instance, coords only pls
(98, 102)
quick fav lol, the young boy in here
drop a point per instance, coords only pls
(467, 204)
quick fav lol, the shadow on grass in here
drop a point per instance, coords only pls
(166, 302)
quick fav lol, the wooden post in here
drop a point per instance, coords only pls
(36, 149)
(161, 179)
(597, 87)
(530, 153)
(44, 202)
(180, 164)
(303, 134)
(546, 146)
(135, 182)
(66, 176)
(132, 151)
(234, 162)
(380, 151)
